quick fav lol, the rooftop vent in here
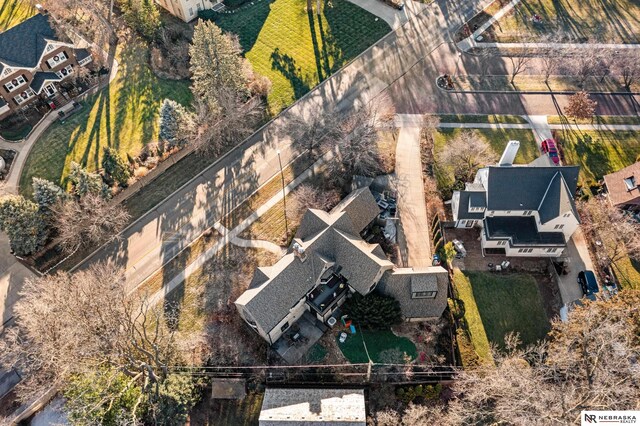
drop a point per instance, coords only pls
(509, 154)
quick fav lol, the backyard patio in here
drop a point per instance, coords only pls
(301, 336)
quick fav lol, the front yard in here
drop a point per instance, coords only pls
(497, 138)
(614, 21)
(496, 304)
(599, 152)
(123, 116)
(297, 50)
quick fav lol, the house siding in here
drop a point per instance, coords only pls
(180, 8)
(294, 314)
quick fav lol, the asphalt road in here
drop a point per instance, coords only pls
(158, 236)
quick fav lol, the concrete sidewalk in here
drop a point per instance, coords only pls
(393, 17)
(411, 203)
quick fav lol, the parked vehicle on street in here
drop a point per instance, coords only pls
(544, 147)
(588, 283)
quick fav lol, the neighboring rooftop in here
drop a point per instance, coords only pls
(23, 44)
(402, 283)
(297, 407)
(526, 188)
(623, 186)
(522, 230)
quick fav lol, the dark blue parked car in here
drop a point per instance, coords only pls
(588, 283)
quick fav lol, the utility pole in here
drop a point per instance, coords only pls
(284, 196)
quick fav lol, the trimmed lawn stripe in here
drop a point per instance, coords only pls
(472, 322)
(297, 50)
(377, 341)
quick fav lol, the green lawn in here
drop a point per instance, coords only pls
(13, 12)
(472, 327)
(297, 50)
(599, 152)
(123, 116)
(497, 138)
(598, 119)
(377, 342)
(628, 273)
(506, 303)
(613, 21)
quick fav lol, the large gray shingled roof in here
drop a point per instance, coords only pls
(401, 282)
(23, 44)
(333, 237)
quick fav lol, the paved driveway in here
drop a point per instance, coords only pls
(411, 203)
(12, 276)
(393, 17)
(579, 260)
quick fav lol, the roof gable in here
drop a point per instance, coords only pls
(23, 44)
(556, 201)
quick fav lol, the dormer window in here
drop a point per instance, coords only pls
(12, 85)
(57, 59)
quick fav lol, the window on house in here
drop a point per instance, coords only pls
(15, 83)
(502, 243)
(527, 213)
(284, 326)
(65, 72)
(22, 97)
(57, 59)
(525, 250)
(424, 294)
(551, 250)
(566, 215)
(559, 226)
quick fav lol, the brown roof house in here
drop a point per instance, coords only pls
(623, 187)
(328, 260)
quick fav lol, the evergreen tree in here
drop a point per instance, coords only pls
(23, 223)
(172, 115)
(115, 168)
(216, 63)
(46, 193)
(143, 16)
(85, 182)
(373, 311)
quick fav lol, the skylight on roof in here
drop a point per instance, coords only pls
(630, 182)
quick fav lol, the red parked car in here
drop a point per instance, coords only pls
(544, 147)
(552, 151)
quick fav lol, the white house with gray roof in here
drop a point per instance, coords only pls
(328, 259)
(524, 210)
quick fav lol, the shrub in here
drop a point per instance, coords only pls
(373, 311)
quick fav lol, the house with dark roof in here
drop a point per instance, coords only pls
(327, 261)
(524, 210)
(34, 62)
(623, 187)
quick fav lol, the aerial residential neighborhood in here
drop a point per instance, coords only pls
(294, 212)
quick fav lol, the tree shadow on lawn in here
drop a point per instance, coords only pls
(509, 303)
(247, 23)
(286, 65)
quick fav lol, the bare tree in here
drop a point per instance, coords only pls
(628, 64)
(87, 221)
(583, 65)
(308, 133)
(519, 64)
(550, 60)
(309, 196)
(581, 106)
(69, 325)
(464, 155)
(588, 363)
(357, 140)
(613, 243)
(605, 59)
(235, 118)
